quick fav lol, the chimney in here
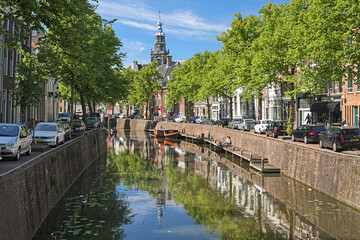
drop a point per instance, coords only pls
(169, 60)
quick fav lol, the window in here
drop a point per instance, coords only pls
(13, 27)
(12, 56)
(6, 61)
(34, 32)
(350, 83)
(7, 25)
(357, 74)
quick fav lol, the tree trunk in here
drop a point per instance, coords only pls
(83, 107)
(259, 112)
(94, 106)
(231, 109)
(208, 109)
(147, 109)
(72, 104)
(90, 108)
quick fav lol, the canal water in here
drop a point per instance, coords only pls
(149, 188)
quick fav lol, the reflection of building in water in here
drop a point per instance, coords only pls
(271, 214)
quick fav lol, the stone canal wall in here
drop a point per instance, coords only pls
(333, 173)
(135, 125)
(28, 194)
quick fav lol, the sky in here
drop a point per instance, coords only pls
(190, 26)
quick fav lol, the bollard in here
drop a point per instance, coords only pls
(250, 156)
(262, 164)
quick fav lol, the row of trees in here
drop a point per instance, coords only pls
(79, 49)
(304, 46)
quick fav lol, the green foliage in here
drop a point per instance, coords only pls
(147, 82)
(53, 180)
(29, 81)
(53, 159)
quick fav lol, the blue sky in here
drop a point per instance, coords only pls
(190, 26)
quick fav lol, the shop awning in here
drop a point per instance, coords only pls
(319, 107)
(334, 107)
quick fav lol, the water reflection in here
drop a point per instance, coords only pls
(278, 205)
(156, 189)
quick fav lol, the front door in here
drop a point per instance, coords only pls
(356, 117)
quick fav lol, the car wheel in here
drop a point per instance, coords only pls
(292, 137)
(306, 140)
(335, 147)
(321, 143)
(56, 142)
(17, 157)
(266, 133)
(29, 151)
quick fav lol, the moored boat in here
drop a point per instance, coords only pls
(167, 133)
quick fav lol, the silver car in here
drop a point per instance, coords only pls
(15, 139)
(246, 124)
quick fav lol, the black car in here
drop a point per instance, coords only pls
(307, 133)
(224, 122)
(67, 130)
(191, 119)
(340, 138)
(276, 128)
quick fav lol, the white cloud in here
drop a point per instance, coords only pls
(138, 25)
(135, 49)
(139, 15)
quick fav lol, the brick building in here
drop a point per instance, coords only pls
(351, 99)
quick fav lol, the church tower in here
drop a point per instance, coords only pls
(159, 54)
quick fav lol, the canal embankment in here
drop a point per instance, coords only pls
(30, 192)
(335, 174)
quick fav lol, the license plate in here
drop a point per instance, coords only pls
(354, 140)
(39, 140)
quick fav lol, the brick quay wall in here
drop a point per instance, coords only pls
(28, 194)
(335, 174)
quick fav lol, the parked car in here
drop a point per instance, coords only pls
(201, 120)
(233, 124)
(261, 126)
(276, 128)
(67, 130)
(180, 118)
(92, 122)
(64, 117)
(123, 115)
(246, 124)
(224, 122)
(51, 133)
(192, 119)
(307, 133)
(15, 139)
(78, 126)
(340, 138)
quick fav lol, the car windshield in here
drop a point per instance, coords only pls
(46, 127)
(10, 131)
(77, 124)
(318, 129)
(265, 122)
(280, 124)
(92, 119)
(347, 132)
(64, 114)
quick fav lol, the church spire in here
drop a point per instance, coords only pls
(159, 54)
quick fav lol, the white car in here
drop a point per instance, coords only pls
(201, 120)
(261, 126)
(15, 139)
(180, 119)
(51, 133)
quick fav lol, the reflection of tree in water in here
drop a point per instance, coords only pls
(217, 211)
(98, 214)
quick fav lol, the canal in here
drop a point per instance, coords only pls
(155, 189)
